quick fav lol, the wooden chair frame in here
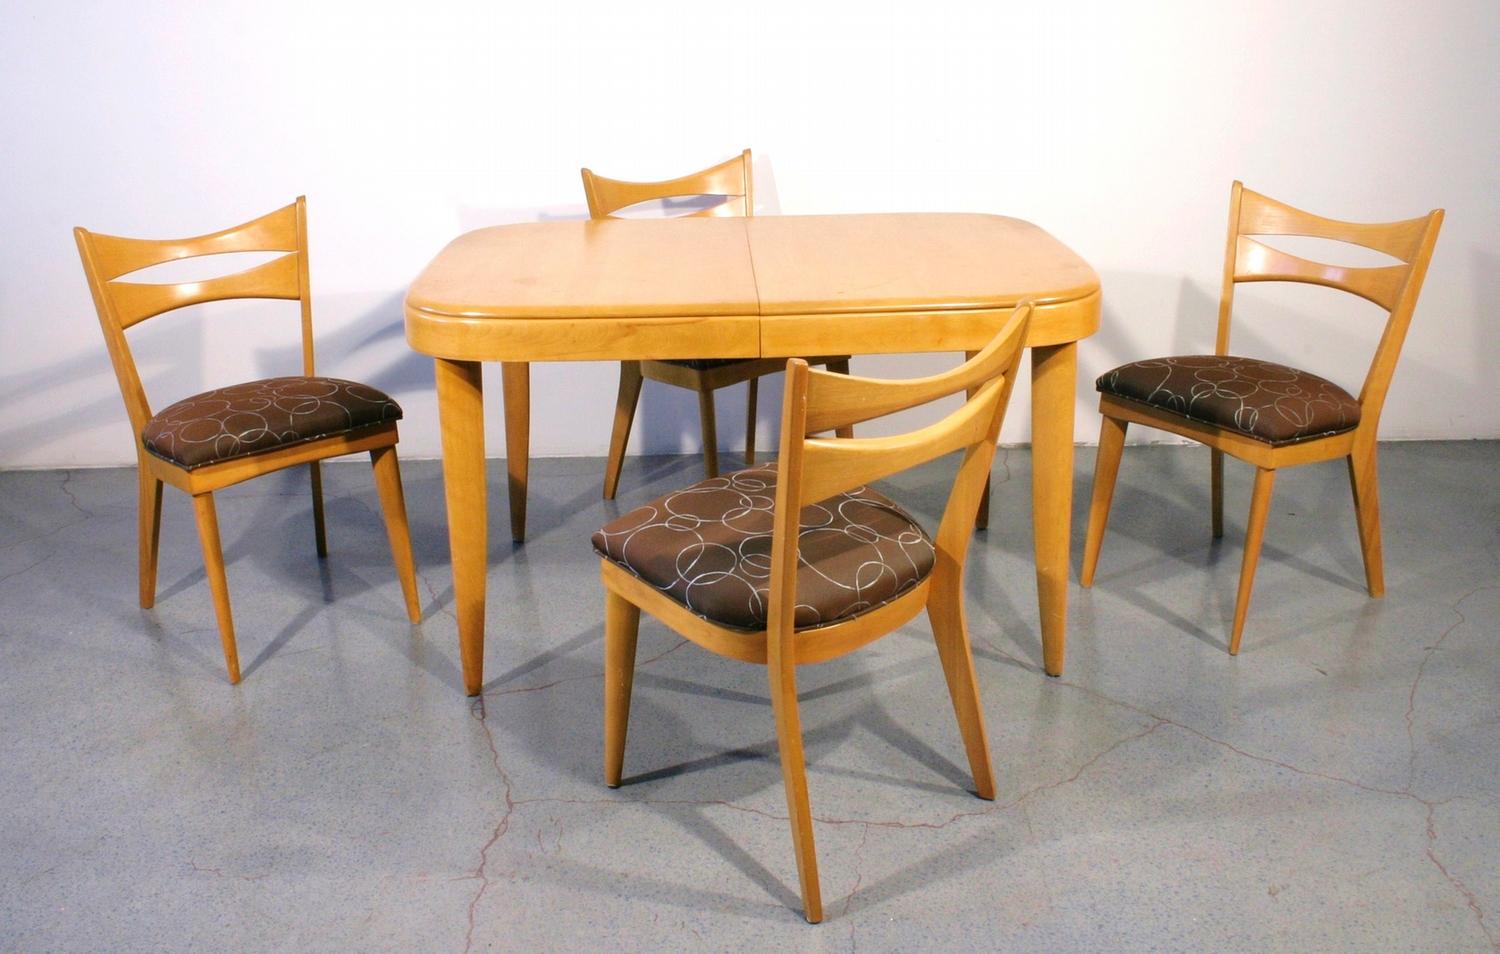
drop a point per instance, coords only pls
(731, 180)
(812, 469)
(1394, 288)
(124, 304)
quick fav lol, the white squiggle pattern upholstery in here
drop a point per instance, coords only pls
(1270, 402)
(708, 547)
(257, 416)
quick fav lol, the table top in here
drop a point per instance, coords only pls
(639, 286)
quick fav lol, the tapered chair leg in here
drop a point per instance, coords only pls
(946, 612)
(1106, 469)
(754, 384)
(710, 432)
(622, 620)
(149, 535)
(841, 366)
(625, 405)
(1255, 531)
(218, 584)
(320, 532)
(393, 508)
(1366, 486)
(515, 385)
(783, 678)
(1216, 490)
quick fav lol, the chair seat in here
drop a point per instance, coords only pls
(1269, 402)
(257, 416)
(706, 364)
(708, 547)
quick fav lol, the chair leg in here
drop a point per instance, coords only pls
(1363, 480)
(841, 366)
(1216, 489)
(393, 508)
(1106, 469)
(515, 385)
(218, 584)
(710, 431)
(754, 384)
(622, 620)
(1260, 507)
(320, 533)
(149, 534)
(945, 610)
(783, 678)
(625, 404)
(982, 515)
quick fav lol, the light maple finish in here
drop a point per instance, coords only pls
(732, 182)
(616, 289)
(811, 469)
(124, 304)
(1394, 288)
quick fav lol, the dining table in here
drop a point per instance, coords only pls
(741, 287)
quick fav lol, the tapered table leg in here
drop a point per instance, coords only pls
(1054, 379)
(460, 394)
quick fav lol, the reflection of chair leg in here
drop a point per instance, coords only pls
(946, 612)
(754, 384)
(320, 533)
(783, 677)
(218, 584)
(625, 404)
(393, 508)
(1363, 480)
(1106, 469)
(1216, 489)
(622, 620)
(710, 431)
(1255, 531)
(149, 534)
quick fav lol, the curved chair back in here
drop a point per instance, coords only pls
(813, 468)
(1392, 287)
(730, 180)
(123, 304)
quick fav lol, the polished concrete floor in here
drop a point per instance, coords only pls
(1334, 788)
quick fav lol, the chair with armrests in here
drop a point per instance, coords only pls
(799, 561)
(1270, 415)
(226, 435)
(731, 181)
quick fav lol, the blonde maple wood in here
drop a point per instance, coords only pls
(1395, 288)
(732, 182)
(614, 289)
(811, 469)
(123, 304)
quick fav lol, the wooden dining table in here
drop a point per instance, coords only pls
(773, 286)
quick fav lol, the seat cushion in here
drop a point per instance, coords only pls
(709, 548)
(706, 364)
(258, 416)
(1269, 402)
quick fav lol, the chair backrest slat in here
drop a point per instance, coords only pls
(832, 466)
(730, 179)
(1263, 215)
(279, 278)
(1258, 262)
(836, 400)
(117, 255)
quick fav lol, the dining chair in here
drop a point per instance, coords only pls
(1266, 414)
(226, 435)
(731, 182)
(801, 561)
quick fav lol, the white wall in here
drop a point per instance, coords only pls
(1117, 127)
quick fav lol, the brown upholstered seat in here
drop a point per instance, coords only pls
(708, 547)
(257, 416)
(1267, 401)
